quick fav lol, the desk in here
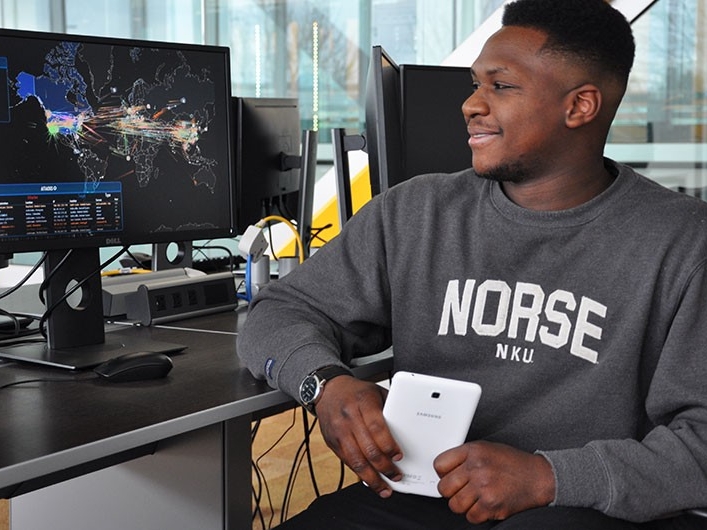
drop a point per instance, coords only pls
(182, 443)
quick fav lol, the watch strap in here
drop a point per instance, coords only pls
(330, 372)
(322, 375)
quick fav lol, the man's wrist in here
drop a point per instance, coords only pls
(311, 387)
(546, 485)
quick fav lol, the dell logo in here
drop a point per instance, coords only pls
(113, 241)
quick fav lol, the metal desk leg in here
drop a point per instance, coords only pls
(237, 474)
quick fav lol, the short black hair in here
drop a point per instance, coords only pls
(589, 31)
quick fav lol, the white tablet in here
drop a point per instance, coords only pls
(427, 415)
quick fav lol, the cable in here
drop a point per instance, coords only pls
(292, 227)
(308, 452)
(231, 257)
(15, 324)
(248, 288)
(48, 276)
(19, 328)
(260, 475)
(132, 256)
(317, 231)
(284, 208)
(249, 277)
(240, 286)
(299, 456)
(257, 495)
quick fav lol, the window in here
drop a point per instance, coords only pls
(318, 51)
(661, 125)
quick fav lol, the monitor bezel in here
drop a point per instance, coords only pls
(405, 127)
(66, 242)
(384, 142)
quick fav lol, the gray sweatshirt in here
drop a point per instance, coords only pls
(586, 328)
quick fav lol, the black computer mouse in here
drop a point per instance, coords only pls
(135, 366)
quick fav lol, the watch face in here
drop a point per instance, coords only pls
(309, 389)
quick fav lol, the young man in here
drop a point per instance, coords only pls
(572, 289)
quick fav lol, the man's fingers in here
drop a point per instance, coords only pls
(354, 427)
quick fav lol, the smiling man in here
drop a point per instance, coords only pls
(571, 288)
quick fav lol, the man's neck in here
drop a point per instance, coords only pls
(559, 192)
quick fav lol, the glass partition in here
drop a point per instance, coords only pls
(318, 51)
(660, 127)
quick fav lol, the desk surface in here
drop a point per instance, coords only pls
(50, 426)
(51, 431)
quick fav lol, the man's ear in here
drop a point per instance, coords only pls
(583, 105)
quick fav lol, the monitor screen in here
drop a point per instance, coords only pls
(107, 142)
(111, 142)
(268, 145)
(414, 122)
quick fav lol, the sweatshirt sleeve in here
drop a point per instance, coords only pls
(666, 472)
(330, 309)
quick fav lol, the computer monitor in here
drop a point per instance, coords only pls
(435, 139)
(384, 142)
(267, 156)
(414, 122)
(271, 162)
(107, 142)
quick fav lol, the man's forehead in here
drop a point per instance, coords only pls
(509, 49)
(491, 70)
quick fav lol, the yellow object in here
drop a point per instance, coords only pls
(125, 270)
(328, 215)
(298, 239)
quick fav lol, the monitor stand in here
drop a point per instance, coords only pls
(342, 143)
(76, 337)
(306, 189)
(161, 259)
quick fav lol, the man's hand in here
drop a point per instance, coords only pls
(350, 413)
(489, 481)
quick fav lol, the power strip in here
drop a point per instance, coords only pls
(184, 297)
(116, 289)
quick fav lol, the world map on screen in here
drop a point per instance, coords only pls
(125, 109)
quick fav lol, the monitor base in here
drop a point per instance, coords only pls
(84, 357)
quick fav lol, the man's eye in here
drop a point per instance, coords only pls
(501, 86)
(475, 87)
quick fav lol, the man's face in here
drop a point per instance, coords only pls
(515, 117)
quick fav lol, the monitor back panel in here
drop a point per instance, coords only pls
(433, 129)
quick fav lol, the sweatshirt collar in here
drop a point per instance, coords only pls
(578, 215)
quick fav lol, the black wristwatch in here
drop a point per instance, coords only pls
(311, 387)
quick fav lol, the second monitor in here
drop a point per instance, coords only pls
(275, 164)
(267, 157)
(414, 121)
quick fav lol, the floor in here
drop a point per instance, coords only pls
(276, 448)
(277, 464)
